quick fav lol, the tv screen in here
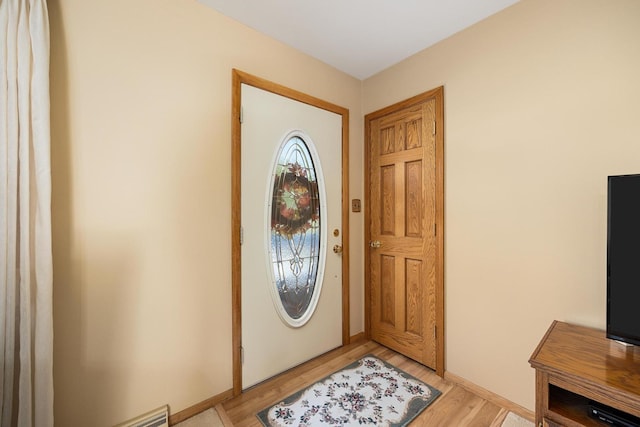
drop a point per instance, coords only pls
(623, 259)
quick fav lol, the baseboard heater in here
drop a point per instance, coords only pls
(156, 418)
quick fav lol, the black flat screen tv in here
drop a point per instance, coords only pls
(623, 259)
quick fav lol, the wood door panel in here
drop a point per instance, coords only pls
(413, 199)
(387, 294)
(388, 200)
(407, 330)
(388, 140)
(402, 218)
(402, 131)
(413, 139)
(414, 297)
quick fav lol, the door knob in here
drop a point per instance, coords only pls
(337, 249)
(375, 243)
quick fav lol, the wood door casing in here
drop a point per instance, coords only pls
(404, 283)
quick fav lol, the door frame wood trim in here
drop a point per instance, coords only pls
(238, 78)
(438, 95)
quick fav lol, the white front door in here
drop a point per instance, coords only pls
(275, 337)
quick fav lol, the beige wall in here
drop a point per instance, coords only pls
(141, 135)
(541, 104)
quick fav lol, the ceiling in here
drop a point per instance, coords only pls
(359, 37)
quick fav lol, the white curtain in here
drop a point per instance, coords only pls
(26, 327)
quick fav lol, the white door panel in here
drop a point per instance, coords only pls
(270, 346)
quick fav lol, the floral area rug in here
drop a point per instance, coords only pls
(367, 392)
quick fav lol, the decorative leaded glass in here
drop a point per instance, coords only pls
(295, 230)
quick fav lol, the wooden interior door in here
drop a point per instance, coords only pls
(404, 262)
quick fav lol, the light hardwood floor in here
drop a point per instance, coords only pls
(457, 406)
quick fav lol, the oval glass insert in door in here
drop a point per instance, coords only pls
(297, 238)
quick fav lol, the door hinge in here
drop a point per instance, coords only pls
(435, 332)
(241, 114)
(242, 355)
(435, 229)
(241, 235)
(434, 127)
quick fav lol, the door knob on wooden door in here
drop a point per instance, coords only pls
(375, 243)
(337, 249)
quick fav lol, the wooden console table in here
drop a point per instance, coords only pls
(574, 365)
